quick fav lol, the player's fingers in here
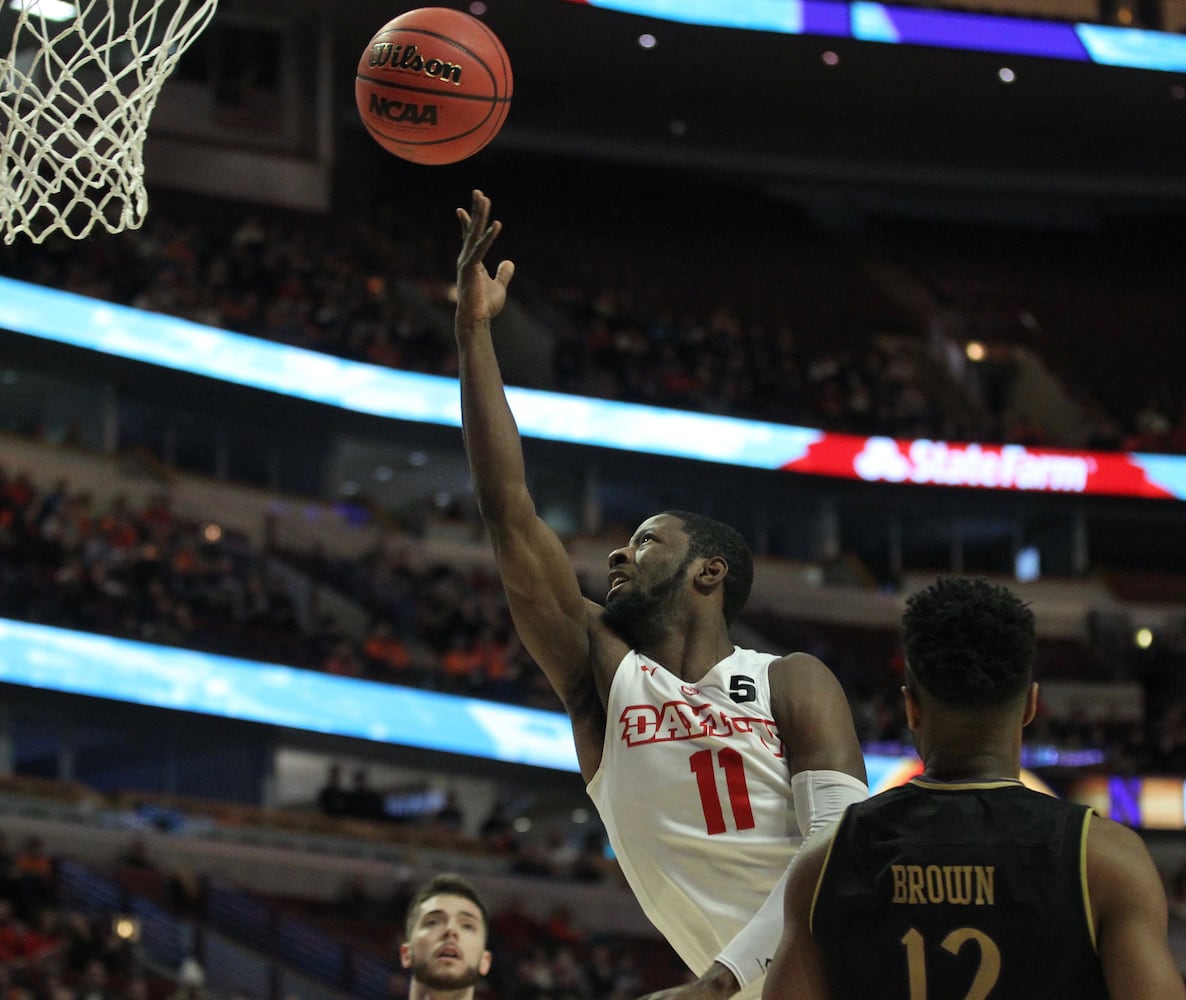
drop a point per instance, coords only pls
(488, 237)
(481, 209)
(506, 271)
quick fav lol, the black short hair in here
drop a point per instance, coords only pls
(968, 642)
(709, 537)
(444, 884)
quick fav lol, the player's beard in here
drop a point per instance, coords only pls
(422, 972)
(639, 616)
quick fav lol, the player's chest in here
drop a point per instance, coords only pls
(654, 708)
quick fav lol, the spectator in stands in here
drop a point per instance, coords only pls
(450, 816)
(354, 900)
(568, 976)
(497, 832)
(532, 857)
(393, 904)
(590, 863)
(135, 855)
(19, 946)
(1176, 893)
(35, 877)
(459, 664)
(94, 984)
(191, 981)
(399, 985)
(446, 931)
(8, 883)
(10, 988)
(362, 801)
(560, 927)
(533, 978)
(628, 978)
(491, 652)
(333, 799)
(385, 653)
(343, 660)
(600, 970)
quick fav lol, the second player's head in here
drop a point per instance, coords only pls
(969, 644)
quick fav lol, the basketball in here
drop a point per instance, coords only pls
(433, 85)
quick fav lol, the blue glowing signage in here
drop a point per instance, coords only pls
(948, 29)
(100, 666)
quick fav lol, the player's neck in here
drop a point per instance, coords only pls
(984, 765)
(420, 991)
(689, 655)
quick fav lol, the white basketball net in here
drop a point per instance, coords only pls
(77, 88)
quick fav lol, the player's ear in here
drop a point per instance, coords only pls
(405, 955)
(913, 708)
(1031, 704)
(484, 964)
(712, 572)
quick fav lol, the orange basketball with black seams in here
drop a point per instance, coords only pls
(434, 85)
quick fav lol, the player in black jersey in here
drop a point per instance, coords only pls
(964, 884)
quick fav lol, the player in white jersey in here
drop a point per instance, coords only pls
(708, 763)
(693, 783)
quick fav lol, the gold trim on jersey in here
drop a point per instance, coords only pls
(932, 784)
(1083, 880)
(823, 870)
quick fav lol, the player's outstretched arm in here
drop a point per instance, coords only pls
(545, 600)
(1128, 900)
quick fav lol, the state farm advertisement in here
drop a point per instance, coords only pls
(996, 467)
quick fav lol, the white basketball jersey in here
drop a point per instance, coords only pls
(695, 796)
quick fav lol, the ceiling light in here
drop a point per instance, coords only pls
(50, 10)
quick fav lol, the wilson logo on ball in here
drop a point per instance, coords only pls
(408, 57)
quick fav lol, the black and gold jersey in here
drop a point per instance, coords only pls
(959, 891)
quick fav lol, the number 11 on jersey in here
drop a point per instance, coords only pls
(731, 763)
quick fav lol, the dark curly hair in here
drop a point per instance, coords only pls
(709, 537)
(444, 884)
(968, 642)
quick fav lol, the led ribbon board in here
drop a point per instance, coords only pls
(1104, 45)
(81, 663)
(99, 666)
(202, 350)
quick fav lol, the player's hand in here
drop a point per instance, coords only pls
(480, 297)
(718, 983)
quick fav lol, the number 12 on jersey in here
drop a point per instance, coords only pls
(705, 769)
